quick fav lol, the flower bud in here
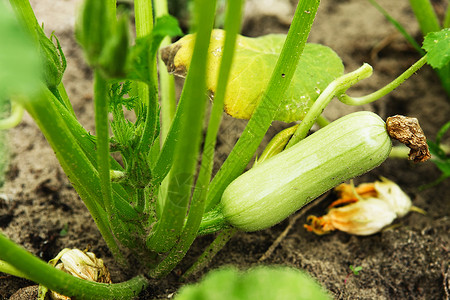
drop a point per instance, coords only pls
(54, 61)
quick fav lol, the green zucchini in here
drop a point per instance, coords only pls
(270, 192)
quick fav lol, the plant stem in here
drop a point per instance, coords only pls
(402, 151)
(102, 131)
(196, 209)
(399, 152)
(322, 121)
(144, 17)
(65, 98)
(14, 118)
(336, 87)
(148, 92)
(63, 283)
(166, 80)
(425, 15)
(219, 242)
(276, 144)
(186, 150)
(386, 89)
(76, 165)
(212, 222)
(9, 269)
(446, 23)
(232, 28)
(270, 102)
(102, 141)
(26, 14)
(87, 144)
(101, 105)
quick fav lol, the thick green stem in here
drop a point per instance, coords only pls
(213, 221)
(37, 270)
(270, 102)
(144, 17)
(166, 81)
(9, 269)
(232, 28)
(102, 131)
(169, 227)
(25, 13)
(101, 105)
(447, 18)
(148, 93)
(425, 15)
(76, 165)
(196, 209)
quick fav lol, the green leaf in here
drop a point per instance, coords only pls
(356, 269)
(253, 63)
(262, 283)
(437, 44)
(119, 96)
(167, 26)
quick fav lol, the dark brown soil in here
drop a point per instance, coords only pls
(408, 261)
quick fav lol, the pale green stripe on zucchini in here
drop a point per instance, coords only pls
(268, 193)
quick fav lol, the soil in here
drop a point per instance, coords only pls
(407, 261)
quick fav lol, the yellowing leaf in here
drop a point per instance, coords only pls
(253, 63)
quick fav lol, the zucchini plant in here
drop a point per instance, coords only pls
(158, 201)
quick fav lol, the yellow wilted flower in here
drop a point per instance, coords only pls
(81, 264)
(372, 207)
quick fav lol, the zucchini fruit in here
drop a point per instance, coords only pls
(271, 191)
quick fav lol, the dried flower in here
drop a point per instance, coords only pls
(81, 264)
(370, 207)
(84, 265)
